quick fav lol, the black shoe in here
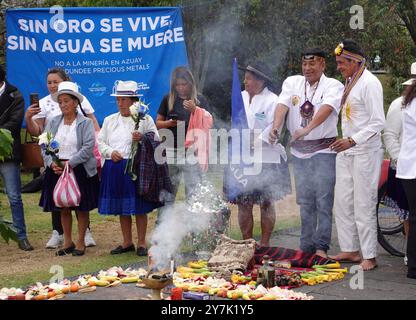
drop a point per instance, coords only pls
(120, 249)
(25, 245)
(66, 251)
(78, 253)
(33, 186)
(141, 251)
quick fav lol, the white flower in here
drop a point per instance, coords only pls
(134, 109)
(43, 138)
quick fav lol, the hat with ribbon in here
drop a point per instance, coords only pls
(125, 89)
(68, 87)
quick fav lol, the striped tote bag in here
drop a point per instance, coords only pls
(66, 193)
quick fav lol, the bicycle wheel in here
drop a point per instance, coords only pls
(390, 231)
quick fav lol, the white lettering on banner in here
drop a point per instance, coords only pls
(155, 40)
(115, 26)
(34, 26)
(21, 43)
(115, 45)
(146, 22)
(70, 45)
(105, 45)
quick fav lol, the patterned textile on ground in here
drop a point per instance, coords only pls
(232, 255)
(297, 258)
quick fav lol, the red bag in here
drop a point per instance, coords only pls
(66, 193)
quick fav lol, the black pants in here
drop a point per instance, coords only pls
(410, 189)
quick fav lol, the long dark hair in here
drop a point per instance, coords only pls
(409, 94)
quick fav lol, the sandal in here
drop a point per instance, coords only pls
(77, 253)
(66, 251)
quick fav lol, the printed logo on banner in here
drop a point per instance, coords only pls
(97, 89)
(96, 47)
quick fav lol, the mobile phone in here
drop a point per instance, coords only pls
(173, 116)
(34, 98)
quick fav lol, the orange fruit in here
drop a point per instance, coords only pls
(65, 290)
(51, 294)
(40, 297)
(74, 287)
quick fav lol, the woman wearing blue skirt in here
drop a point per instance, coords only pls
(118, 192)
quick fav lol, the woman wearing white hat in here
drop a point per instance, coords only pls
(37, 116)
(75, 134)
(118, 192)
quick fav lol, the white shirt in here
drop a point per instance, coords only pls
(363, 114)
(66, 136)
(328, 92)
(50, 108)
(406, 165)
(392, 135)
(115, 134)
(260, 116)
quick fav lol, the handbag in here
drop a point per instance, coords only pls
(66, 193)
(31, 153)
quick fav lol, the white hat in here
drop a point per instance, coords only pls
(412, 74)
(125, 89)
(68, 87)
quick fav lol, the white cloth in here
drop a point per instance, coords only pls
(116, 134)
(356, 190)
(406, 165)
(260, 116)
(328, 92)
(66, 136)
(50, 108)
(393, 130)
(363, 114)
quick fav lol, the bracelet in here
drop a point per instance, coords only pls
(352, 142)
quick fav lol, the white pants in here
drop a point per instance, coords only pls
(355, 202)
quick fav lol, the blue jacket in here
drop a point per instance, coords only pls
(85, 143)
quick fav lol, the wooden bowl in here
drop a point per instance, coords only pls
(156, 283)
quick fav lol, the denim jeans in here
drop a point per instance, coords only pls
(315, 183)
(10, 173)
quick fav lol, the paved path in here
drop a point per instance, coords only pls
(387, 282)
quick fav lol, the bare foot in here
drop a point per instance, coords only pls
(321, 253)
(347, 257)
(368, 264)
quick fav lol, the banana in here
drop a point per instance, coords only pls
(101, 283)
(129, 279)
(195, 265)
(109, 278)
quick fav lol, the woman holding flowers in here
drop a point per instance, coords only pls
(69, 139)
(118, 139)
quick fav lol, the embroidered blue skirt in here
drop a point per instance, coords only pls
(118, 192)
(396, 197)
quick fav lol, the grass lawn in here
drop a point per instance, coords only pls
(20, 269)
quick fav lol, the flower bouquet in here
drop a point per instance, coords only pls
(138, 111)
(50, 146)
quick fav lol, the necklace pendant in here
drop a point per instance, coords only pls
(307, 111)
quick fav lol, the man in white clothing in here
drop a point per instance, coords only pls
(359, 158)
(312, 103)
